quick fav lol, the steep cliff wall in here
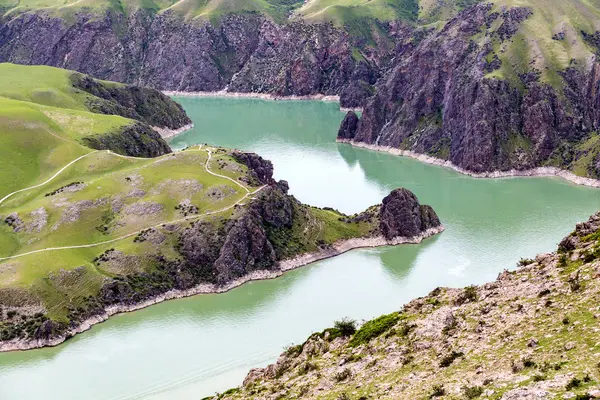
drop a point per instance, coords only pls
(483, 94)
(242, 52)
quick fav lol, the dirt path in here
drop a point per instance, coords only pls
(85, 246)
(49, 180)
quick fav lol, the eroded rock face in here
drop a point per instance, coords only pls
(349, 125)
(142, 104)
(246, 249)
(136, 140)
(261, 169)
(401, 215)
(246, 53)
(437, 100)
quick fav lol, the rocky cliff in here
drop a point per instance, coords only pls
(531, 334)
(482, 93)
(242, 52)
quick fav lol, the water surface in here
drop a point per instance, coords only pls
(192, 347)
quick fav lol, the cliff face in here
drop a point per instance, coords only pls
(448, 98)
(143, 104)
(530, 334)
(136, 140)
(247, 53)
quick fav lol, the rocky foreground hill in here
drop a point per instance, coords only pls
(531, 334)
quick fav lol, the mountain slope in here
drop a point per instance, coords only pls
(497, 88)
(531, 334)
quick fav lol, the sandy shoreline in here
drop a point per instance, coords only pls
(263, 96)
(286, 265)
(539, 172)
(167, 133)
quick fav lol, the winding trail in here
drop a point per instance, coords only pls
(49, 180)
(85, 246)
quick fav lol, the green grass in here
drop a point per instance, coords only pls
(43, 121)
(533, 46)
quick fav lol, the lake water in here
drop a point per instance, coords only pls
(190, 348)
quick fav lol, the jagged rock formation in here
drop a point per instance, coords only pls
(531, 334)
(442, 99)
(402, 215)
(246, 53)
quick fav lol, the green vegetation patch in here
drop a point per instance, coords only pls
(374, 328)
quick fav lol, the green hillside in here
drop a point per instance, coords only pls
(43, 120)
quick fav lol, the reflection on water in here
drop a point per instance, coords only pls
(192, 347)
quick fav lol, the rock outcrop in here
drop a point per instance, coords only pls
(143, 104)
(401, 215)
(136, 140)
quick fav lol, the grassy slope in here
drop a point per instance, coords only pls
(532, 331)
(42, 120)
(533, 46)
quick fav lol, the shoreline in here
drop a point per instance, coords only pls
(166, 133)
(264, 96)
(336, 249)
(513, 173)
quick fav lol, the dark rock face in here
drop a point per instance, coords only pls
(46, 330)
(261, 169)
(246, 53)
(246, 249)
(143, 104)
(242, 246)
(436, 100)
(401, 215)
(349, 125)
(136, 140)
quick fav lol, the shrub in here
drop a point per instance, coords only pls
(472, 392)
(342, 375)
(437, 391)
(469, 294)
(524, 262)
(374, 328)
(293, 351)
(573, 383)
(539, 378)
(449, 358)
(346, 326)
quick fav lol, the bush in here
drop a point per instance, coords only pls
(374, 328)
(346, 326)
(539, 378)
(449, 358)
(473, 392)
(573, 383)
(525, 261)
(342, 375)
(469, 294)
(437, 391)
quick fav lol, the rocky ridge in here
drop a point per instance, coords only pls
(531, 334)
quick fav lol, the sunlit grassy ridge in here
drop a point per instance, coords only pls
(42, 122)
(549, 40)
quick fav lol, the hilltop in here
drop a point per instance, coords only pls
(531, 334)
